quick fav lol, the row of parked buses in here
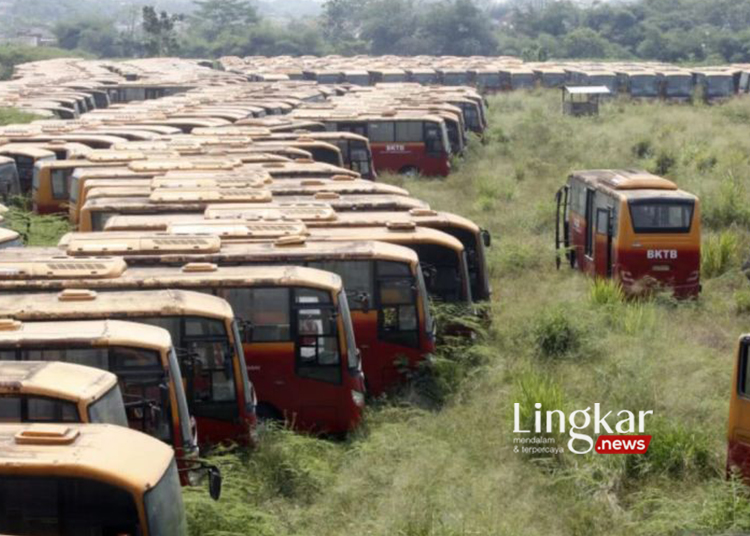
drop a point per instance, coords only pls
(227, 265)
(492, 74)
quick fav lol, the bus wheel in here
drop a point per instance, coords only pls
(409, 171)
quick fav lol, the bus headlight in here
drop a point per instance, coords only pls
(358, 399)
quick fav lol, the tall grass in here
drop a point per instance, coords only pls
(719, 254)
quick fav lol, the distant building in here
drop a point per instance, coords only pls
(33, 37)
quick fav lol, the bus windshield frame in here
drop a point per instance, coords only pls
(687, 206)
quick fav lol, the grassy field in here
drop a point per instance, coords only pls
(438, 459)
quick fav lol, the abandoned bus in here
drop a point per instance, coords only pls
(95, 213)
(294, 323)
(140, 356)
(52, 179)
(204, 333)
(631, 225)
(10, 185)
(355, 149)
(738, 433)
(441, 256)
(407, 144)
(473, 238)
(55, 392)
(384, 284)
(60, 479)
(26, 157)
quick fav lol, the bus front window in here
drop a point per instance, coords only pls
(109, 409)
(398, 321)
(318, 355)
(164, 507)
(41, 505)
(661, 215)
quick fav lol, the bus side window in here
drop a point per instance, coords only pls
(358, 281)
(408, 131)
(381, 132)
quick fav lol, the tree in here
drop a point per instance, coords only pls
(97, 36)
(159, 30)
(341, 21)
(389, 26)
(585, 43)
(458, 28)
(216, 16)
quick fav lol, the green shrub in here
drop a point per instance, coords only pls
(730, 206)
(643, 149)
(606, 291)
(555, 334)
(719, 254)
(677, 450)
(664, 163)
(742, 301)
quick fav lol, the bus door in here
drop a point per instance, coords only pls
(738, 448)
(589, 241)
(562, 227)
(603, 242)
(291, 352)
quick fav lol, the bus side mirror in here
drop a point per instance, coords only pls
(363, 298)
(486, 238)
(214, 483)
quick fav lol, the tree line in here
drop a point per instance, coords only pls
(667, 30)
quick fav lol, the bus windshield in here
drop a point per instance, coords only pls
(204, 346)
(661, 215)
(164, 508)
(38, 505)
(109, 409)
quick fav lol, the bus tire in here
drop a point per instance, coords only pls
(409, 171)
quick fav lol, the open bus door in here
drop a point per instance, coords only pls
(562, 225)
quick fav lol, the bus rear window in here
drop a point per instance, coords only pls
(661, 216)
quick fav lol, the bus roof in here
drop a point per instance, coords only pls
(617, 179)
(399, 232)
(118, 243)
(189, 276)
(84, 304)
(66, 381)
(26, 149)
(14, 333)
(424, 217)
(294, 249)
(84, 451)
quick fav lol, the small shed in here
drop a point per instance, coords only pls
(582, 100)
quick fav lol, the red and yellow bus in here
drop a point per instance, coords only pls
(384, 284)
(204, 333)
(406, 143)
(294, 323)
(633, 226)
